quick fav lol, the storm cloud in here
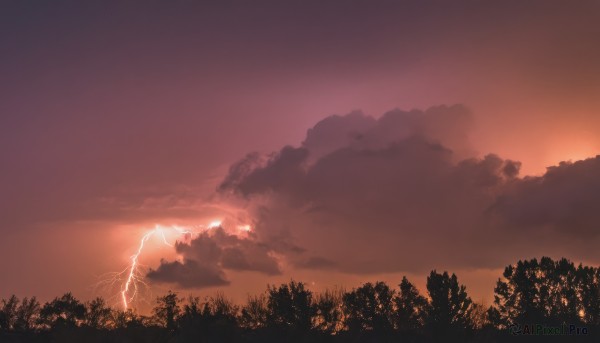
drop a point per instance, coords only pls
(188, 274)
(206, 257)
(565, 199)
(404, 192)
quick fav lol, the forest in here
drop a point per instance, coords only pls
(534, 300)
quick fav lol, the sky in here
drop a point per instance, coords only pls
(338, 142)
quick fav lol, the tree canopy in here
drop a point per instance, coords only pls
(531, 293)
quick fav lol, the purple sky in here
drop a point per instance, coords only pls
(115, 116)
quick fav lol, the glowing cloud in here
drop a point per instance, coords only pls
(215, 223)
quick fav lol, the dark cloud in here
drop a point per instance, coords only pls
(388, 194)
(358, 131)
(354, 139)
(189, 274)
(281, 172)
(565, 199)
(315, 263)
(207, 257)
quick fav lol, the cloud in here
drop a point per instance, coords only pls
(355, 130)
(404, 193)
(400, 193)
(315, 263)
(189, 274)
(207, 257)
(564, 199)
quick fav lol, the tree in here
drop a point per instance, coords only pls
(214, 320)
(542, 291)
(561, 290)
(479, 315)
(495, 318)
(8, 313)
(369, 308)
(126, 319)
(328, 312)
(28, 314)
(289, 306)
(449, 310)
(588, 283)
(411, 307)
(254, 313)
(221, 308)
(63, 311)
(191, 309)
(167, 310)
(545, 291)
(98, 315)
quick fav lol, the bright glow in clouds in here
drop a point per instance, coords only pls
(244, 228)
(132, 277)
(214, 224)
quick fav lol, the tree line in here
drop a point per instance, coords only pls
(533, 297)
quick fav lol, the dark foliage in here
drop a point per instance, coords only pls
(531, 294)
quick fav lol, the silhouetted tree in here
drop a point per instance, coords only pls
(530, 292)
(167, 310)
(411, 307)
(98, 315)
(191, 309)
(222, 317)
(64, 311)
(191, 321)
(212, 321)
(28, 314)
(518, 297)
(328, 316)
(449, 310)
(369, 308)
(221, 307)
(560, 286)
(495, 318)
(588, 284)
(289, 306)
(8, 313)
(254, 313)
(126, 319)
(479, 316)
(542, 292)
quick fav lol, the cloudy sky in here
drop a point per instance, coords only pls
(338, 142)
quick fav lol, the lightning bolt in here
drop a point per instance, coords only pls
(135, 278)
(132, 277)
(130, 281)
